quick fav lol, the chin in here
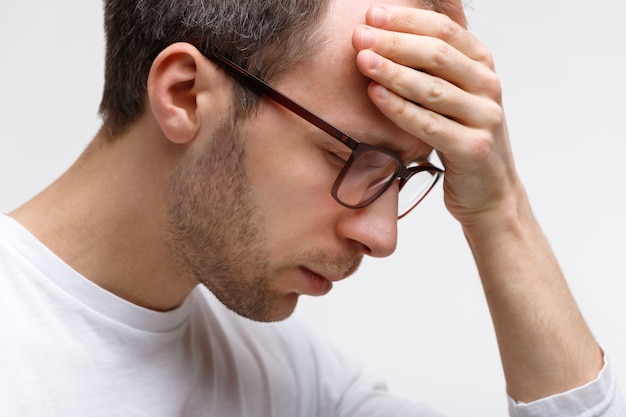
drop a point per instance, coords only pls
(270, 309)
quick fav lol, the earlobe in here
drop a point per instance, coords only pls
(176, 82)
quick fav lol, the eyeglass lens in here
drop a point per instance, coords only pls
(366, 177)
(415, 189)
(371, 172)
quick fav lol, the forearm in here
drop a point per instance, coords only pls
(545, 344)
(454, 104)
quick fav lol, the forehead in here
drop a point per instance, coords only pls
(330, 85)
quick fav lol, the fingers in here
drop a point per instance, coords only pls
(431, 55)
(431, 92)
(432, 127)
(428, 23)
(453, 94)
(435, 80)
(428, 54)
(431, 42)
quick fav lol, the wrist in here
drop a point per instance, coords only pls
(511, 215)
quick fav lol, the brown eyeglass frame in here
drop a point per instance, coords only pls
(403, 173)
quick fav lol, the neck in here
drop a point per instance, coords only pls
(105, 217)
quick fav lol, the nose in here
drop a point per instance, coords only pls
(375, 226)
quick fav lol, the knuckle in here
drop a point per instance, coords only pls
(448, 28)
(492, 86)
(484, 56)
(435, 90)
(432, 124)
(394, 76)
(393, 44)
(481, 146)
(401, 108)
(440, 53)
(495, 115)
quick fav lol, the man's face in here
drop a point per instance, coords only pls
(252, 216)
(218, 232)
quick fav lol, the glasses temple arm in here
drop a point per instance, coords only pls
(262, 87)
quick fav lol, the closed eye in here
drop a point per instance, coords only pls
(337, 153)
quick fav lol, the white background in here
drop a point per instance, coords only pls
(417, 318)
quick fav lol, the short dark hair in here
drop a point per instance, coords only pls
(267, 37)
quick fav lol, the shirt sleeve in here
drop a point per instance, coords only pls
(599, 398)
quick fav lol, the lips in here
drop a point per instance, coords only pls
(316, 285)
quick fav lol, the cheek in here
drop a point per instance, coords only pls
(291, 186)
(294, 208)
(291, 181)
(283, 164)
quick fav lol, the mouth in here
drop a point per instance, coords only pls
(316, 285)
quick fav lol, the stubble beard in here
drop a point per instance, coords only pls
(215, 232)
(216, 236)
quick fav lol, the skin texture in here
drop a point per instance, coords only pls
(545, 345)
(184, 196)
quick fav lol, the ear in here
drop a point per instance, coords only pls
(183, 89)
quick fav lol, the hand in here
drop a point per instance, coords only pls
(435, 80)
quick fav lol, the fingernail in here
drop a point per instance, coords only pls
(368, 37)
(380, 16)
(375, 60)
(381, 91)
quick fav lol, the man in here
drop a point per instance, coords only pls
(195, 178)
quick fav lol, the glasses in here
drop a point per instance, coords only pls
(369, 171)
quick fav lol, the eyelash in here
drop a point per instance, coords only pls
(338, 157)
(335, 153)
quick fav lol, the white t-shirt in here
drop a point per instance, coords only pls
(69, 348)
